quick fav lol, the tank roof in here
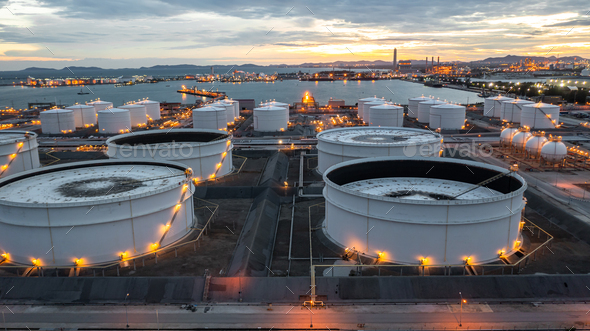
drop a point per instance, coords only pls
(113, 110)
(379, 136)
(56, 111)
(209, 108)
(79, 107)
(168, 136)
(9, 137)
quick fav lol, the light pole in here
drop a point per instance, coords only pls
(461, 311)
(126, 314)
(310, 318)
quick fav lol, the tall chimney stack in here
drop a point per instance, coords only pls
(438, 61)
(426, 64)
(394, 59)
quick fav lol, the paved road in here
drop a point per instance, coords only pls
(374, 317)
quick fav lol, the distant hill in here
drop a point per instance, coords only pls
(517, 58)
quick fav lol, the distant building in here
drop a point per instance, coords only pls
(405, 66)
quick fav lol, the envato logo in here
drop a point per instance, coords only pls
(452, 150)
(158, 150)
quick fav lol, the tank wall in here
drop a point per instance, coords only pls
(271, 121)
(537, 119)
(116, 122)
(387, 117)
(56, 123)
(214, 120)
(447, 118)
(26, 159)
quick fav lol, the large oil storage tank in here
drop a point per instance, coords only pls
(554, 151)
(520, 138)
(18, 152)
(535, 144)
(493, 106)
(339, 145)
(137, 113)
(229, 111)
(92, 212)
(388, 115)
(207, 152)
(57, 121)
(367, 106)
(276, 104)
(424, 210)
(271, 119)
(413, 105)
(424, 109)
(114, 120)
(236, 107)
(84, 116)
(210, 117)
(512, 110)
(361, 103)
(540, 116)
(447, 117)
(152, 109)
(100, 105)
(506, 136)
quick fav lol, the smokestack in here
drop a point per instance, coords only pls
(438, 61)
(433, 63)
(426, 64)
(394, 59)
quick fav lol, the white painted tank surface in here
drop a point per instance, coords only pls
(422, 211)
(57, 121)
(540, 116)
(506, 136)
(413, 105)
(361, 103)
(367, 106)
(229, 111)
(94, 212)
(339, 145)
(137, 114)
(152, 109)
(84, 116)
(388, 115)
(210, 117)
(100, 105)
(207, 152)
(271, 119)
(519, 140)
(276, 104)
(554, 151)
(114, 120)
(236, 106)
(18, 152)
(493, 106)
(424, 109)
(512, 110)
(535, 144)
(447, 117)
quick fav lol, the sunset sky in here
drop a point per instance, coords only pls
(134, 33)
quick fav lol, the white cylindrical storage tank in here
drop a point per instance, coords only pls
(18, 152)
(210, 117)
(386, 115)
(413, 105)
(229, 111)
(152, 109)
(236, 106)
(57, 121)
(128, 208)
(276, 104)
(424, 109)
(207, 152)
(361, 103)
(339, 145)
(367, 106)
(271, 119)
(493, 106)
(100, 105)
(512, 110)
(519, 140)
(554, 151)
(447, 117)
(137, 113)
(423, 211)
(534, 145)
(114, 120)
(84, 116)
(506, 136)
(540, 116)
